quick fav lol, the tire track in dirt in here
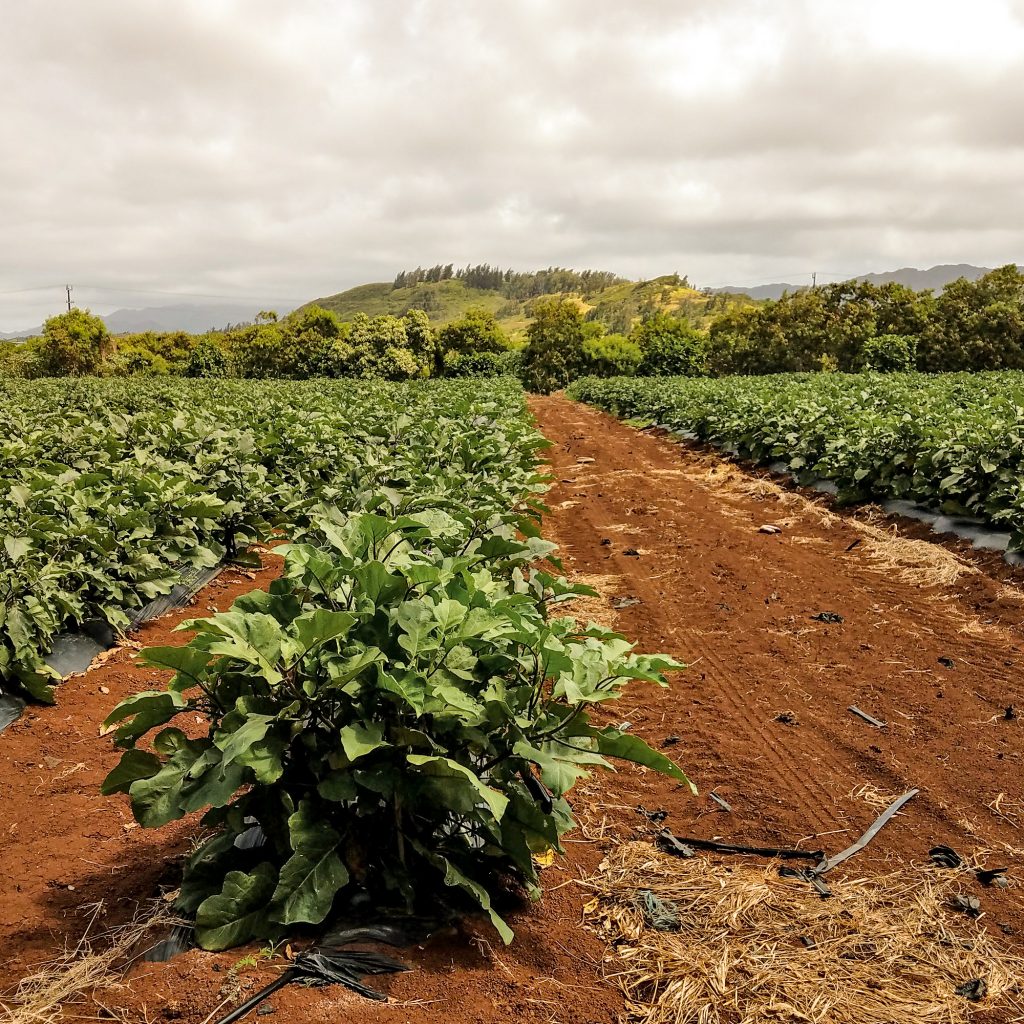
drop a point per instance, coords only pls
(813, 798)
(739, 605)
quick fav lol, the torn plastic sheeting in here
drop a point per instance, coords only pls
(10, 709)
(74, 652)
(192, 581)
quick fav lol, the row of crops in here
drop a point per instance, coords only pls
(109, 488)
(401, 715)
(953, 442)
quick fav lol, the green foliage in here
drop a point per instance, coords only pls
(482, 364)
(382, 346)
(106, 486)
(611, 355)
(669, 347)
(403, 712)
(977, 325)
(130, 361)
(813, 328)
(890, 353)
(476, 331)
(259, 350)
(21, 359)
(554, 352)
(953, 442)
(384, 715)
(74, 343)
(206, 360)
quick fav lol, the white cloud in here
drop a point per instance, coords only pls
(253, 148)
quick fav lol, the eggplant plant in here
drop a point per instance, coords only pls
(401, 715)
(109, 487)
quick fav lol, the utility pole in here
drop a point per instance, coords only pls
(814, 281)
(68, 287)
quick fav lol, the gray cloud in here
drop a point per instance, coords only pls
(254, 148)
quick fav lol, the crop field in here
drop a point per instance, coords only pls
(108, 488)
(401, 709)
(953, 442)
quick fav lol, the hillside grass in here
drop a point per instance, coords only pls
(618, 306)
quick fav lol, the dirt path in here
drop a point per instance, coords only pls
(761, 719)
(763, 711)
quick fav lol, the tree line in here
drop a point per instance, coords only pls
(852, 327)
(513, 284)
(311, 342)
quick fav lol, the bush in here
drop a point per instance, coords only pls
(131, 361)
(476, 331)
(670, 347)
(481, 364)
(890, 353)
(395, 716)
(206, 360)
(554, 352)
(21, 359)
(611, 355)
(74, 343)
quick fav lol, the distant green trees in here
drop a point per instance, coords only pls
(554, 353)
(977, 324)
(611, 355)
(853, 326)
(669, 347)
(971, 325)
(511, 283)
(889, 353)
(73, 344)
(476, 331)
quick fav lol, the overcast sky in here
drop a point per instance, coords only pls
(284, 149)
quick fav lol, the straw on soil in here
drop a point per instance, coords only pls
(80, 972)
(753, 947)
(922, 562)
(919, 562)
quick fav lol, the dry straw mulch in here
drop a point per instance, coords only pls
(753, 947)
(71, 985)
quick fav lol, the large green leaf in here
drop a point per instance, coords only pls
(134, 765)
(238, 913)
(314, 873)
(454, 783)
(144, 710)
(359, 740)
(631, 748)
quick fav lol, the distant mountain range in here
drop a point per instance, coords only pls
(189, 317)
(935, 279)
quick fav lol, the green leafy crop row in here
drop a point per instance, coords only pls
(398, 721)
(948, 441)
(107, 486)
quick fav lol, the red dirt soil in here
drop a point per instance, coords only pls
(761, 717)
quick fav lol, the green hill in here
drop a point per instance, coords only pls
(617, 305)
(442, 300)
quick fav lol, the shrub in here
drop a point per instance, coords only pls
(890, 353)
(481, 364)
(670, 347)
(476, 331)
(554, 352)
(74, 343)
(206, 360)
(398, 714)
(131, 361)
(611, 355)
